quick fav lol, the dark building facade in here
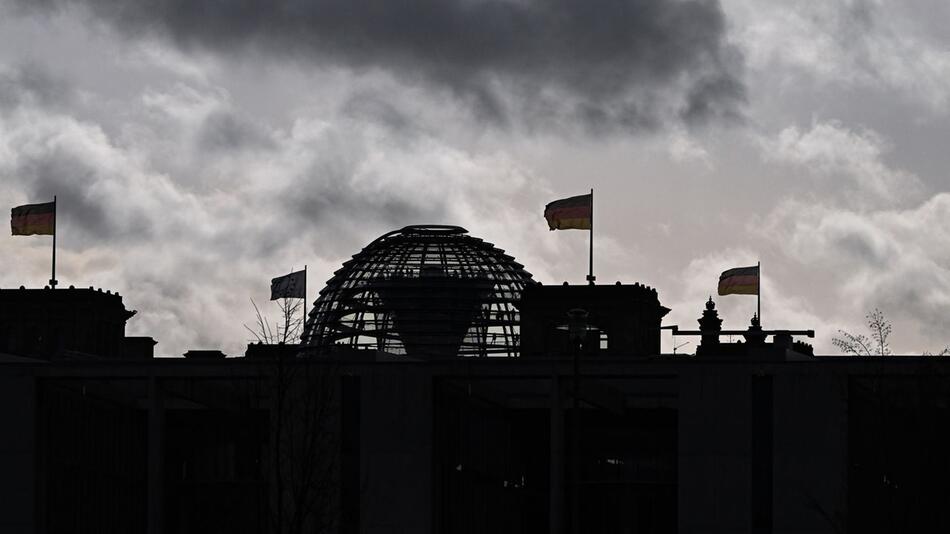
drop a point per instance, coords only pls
(579, 425)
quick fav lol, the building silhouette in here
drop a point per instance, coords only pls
(439, 389)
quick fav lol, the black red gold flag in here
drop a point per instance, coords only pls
(34, 219)
(570, 213)
(740, 281)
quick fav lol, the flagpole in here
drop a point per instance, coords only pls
(304, 299)
(759, 294)
(590, 274)
(52, 280)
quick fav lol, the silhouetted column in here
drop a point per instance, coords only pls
(156, 457)
(811, 452)
(396, 416)
(556, 499)
(17, 454)
(714, 468)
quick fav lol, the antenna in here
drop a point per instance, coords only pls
(680, 345)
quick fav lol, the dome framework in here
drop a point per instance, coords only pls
(426, 291)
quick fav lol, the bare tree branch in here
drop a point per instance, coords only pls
(304, 417)
(861, 345)
(855, 345)
(880, 330)
(877, 344)
(287, 329)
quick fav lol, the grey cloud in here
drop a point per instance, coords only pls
(835, 152)
(29, 84)
(376, 108)
(705, 100)
(83, 203)
(917, 298)
(862, 246)
(69, 179)
(331, 207)
(53, 171)
(851, 50)
(898, 261)
(227, 131)
(496, 56)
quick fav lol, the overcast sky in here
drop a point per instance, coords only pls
(199, 149)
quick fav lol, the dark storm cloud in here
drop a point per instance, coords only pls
(73, 181)
(69, 179)
(711, 98)
(331, 207)
(56, 155)
(599, 59)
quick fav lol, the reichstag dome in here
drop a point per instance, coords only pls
(426, 292)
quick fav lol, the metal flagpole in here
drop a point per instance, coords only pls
(590, 275)
(759, 294)
(52, 280)
(304, 299)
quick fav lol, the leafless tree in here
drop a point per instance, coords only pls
(286, 329)
(305, 441)
(861, 345)
(877, 344)
(302, 397)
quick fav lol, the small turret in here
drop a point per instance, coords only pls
(710, 325)
(755, 335)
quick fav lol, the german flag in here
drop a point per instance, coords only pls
(570, 213)
(740, 281)
(34, 219)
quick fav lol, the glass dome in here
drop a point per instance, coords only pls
(427, 292)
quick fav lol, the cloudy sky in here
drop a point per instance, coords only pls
(200, 148)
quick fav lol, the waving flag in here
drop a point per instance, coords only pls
(570, 213)
(289, 286)
(740, 281)
(34, 219)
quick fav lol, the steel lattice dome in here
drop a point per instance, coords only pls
(425, 292)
